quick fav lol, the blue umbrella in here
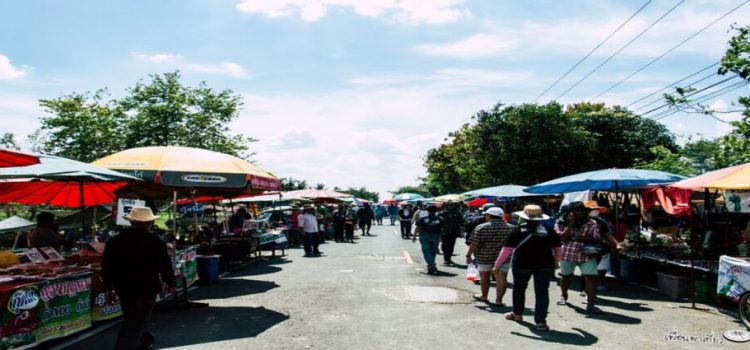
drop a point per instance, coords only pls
(605, 180)
(505, 191)
(407, 196)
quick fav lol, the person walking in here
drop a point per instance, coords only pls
(339, 220)
(405, 216)
(486, 242)
(350, 222)
(379, 214)
(393, 213)
(430, 228)
(534, 251)
(365, 217)
(453, 222)
(577, 229)
(134, 264)
(308, 223)
(474, 219)
(608, 242)
(294, 232)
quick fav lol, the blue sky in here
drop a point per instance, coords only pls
(353, 92)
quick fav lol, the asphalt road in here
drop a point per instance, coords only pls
(374, 294)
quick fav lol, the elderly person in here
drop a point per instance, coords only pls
(134, 264)
(534, 251)
(576, 229)
(485, 244)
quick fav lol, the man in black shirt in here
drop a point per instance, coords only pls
(132, 264)
(535, 251)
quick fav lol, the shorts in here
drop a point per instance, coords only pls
(605, 263)
(488, 267)
(588, 268)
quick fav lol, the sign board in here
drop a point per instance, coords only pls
(124, 206)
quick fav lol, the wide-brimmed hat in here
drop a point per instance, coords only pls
(591, 205)
(495, 211)
(532, 212)
(140, 214)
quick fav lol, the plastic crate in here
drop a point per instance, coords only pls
(674, 286)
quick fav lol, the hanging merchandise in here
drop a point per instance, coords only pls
(738, 201)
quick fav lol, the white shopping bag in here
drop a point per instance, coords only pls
(472, 272)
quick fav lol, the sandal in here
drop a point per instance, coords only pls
(498, 303)
(562, 301)
(513, 317)
(542, 327)
(594, 310)
(481, 298)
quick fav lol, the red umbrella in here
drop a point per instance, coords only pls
(10, 158)
(200, 199)
(478, 202)
(390, 201)
(59, 193)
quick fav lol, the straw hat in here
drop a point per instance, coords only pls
(532, 212)
(140, 214)
(591, 205)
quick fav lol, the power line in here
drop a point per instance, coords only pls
(592, 51)
(670, 50)
(692, 94)
(661, 98)
(621, 49)
(671, 85)
(704, 98)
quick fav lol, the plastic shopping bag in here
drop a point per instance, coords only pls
(472, 272)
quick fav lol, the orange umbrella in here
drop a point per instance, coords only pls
(734, 178)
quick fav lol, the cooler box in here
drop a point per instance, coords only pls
(674, 286)
(208, 269)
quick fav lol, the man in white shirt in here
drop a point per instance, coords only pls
(308, 225)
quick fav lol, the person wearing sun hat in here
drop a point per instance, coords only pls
(485, 244)
(534, 251)
(134, 265)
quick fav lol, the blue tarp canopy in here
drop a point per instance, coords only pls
(605, 180)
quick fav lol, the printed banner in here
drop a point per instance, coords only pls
(100, 310)
(738, 201)
(187, 259)
(39, 311)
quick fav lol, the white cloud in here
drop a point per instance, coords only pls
(375, 136)
(230, 69)
(8, 71)
(297, 139)
(407, 11)
(479, 45)
(578, 35)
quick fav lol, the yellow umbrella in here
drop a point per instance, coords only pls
(190, 167)
(448, 198)
(732, 178)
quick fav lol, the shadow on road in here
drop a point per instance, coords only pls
(197, 326)
(607, 316)
(263, 267)
(581, 338)
(622, 305)
(232, 287)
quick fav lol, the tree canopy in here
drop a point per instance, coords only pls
(531, 143)
(160, 111)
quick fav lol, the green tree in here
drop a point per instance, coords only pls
(620, 137)
(421, 190)
(702, 154)
(362, 192)
(158, 112)
(292, 184)
(8, 140)
(665, 160)
(531, 143)
(165, 112)
(84, 126)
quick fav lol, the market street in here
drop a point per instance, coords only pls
(367, 295)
